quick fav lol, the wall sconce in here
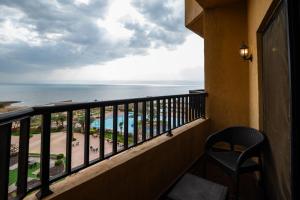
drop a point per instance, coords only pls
(244, 52)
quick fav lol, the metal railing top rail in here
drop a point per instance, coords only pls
(51, 108)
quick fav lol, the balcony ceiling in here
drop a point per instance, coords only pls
(215, 3)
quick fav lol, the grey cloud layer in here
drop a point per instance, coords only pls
(79, 40)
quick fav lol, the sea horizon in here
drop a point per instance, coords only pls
(32, 94)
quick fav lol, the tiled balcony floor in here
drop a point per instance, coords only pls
(249, 189)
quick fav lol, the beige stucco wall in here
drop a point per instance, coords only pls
(256, 12)
(194, 16)
(144, 172)
(226, 74)
(233, 86)
(192, 10)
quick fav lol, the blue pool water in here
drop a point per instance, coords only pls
(109, 122)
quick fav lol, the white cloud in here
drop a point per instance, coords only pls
(112, 22)
(82, 2)
(75, 40)
(184, 63)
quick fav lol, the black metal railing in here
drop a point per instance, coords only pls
(142, 120)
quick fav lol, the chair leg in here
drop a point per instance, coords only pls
(204, 166)
(261, 178)
(261, 183)
(237, 181)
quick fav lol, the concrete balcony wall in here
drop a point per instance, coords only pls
(144, 172)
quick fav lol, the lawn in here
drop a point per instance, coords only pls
(13, 174)
(120, 139)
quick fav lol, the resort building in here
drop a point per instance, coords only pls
(251, 74)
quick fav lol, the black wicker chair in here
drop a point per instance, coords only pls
(235, 162)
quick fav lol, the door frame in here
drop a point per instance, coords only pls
(293, 7)
(293, 24)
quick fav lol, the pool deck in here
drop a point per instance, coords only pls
(58, 146)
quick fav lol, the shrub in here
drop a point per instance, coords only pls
(93, 131)
(35, 131)
(77, 130)
(60, 156)
(59, 162)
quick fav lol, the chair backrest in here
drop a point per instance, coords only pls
(244, 136)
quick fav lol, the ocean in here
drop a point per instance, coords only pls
(40, 94)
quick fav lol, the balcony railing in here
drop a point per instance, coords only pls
(141, 118)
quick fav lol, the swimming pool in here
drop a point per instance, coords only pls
(109, 122)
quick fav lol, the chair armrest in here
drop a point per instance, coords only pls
(215, 138)
(251, 152)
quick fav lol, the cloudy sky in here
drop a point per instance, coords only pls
(89, 41)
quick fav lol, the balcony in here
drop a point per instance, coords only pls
(161, 138)
(131, 134)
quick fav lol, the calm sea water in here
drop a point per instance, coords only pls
(39, 94)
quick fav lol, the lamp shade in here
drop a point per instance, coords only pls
(244, 51)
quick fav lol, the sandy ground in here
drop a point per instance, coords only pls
(11, 108)
(58, 145)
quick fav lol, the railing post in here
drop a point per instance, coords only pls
(87, 136)
(158, 117)
(45, 157)
(178, 112)
(151, 119)
(198, 103)
(102, 132)
(23, 158)
(174, 113)
(193, 107)
(186, 109)
(190, 108)
(5, 139)
(164, 115)
(126, 126)
(69, 142)
(204, 105)
(169, 118)
(135, 119)
(115, 129)
(182, 111)
(144, 121)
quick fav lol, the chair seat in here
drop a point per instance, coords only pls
(191, 187)
(229, 159)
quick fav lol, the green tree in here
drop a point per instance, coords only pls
(56, 119)
(81, 121)
(121, 124)
(61, 118)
